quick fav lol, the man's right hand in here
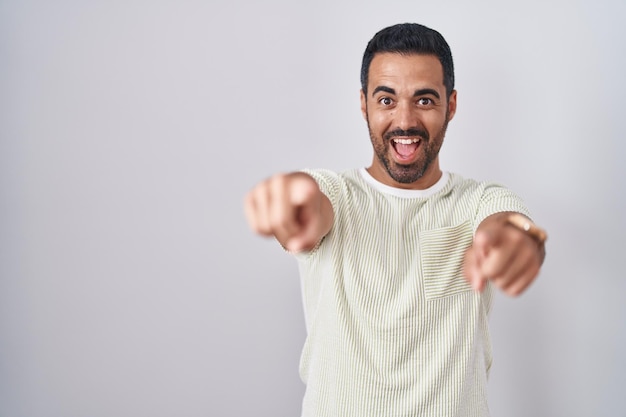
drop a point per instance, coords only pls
(292, 208)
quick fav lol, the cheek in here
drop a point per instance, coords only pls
(434, 122)
(379, 122)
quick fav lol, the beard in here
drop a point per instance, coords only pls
(408, 173)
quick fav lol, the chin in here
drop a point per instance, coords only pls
(405, 177)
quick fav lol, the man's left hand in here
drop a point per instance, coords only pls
(504, 254)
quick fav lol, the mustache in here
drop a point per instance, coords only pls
(409, 132)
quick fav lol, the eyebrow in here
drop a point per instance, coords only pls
(384, 89)
(425, 92)
(417, 93)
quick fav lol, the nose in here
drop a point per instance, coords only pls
(406, 116)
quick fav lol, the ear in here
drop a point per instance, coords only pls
(452, 105)
(363, 105)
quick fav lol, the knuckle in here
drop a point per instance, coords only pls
(518, 237)
(277, 181)
(514, 292)
(249, 199)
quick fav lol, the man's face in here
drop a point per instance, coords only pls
(407, 113)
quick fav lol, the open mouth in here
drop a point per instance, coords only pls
(405, 148)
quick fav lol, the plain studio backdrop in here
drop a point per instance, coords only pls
(130, 132)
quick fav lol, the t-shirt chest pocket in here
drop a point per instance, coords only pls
(442, 260)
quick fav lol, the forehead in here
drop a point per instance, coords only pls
(412, 70)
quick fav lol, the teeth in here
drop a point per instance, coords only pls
(406, 141)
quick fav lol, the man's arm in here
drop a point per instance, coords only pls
(292, 208)
(505, 253)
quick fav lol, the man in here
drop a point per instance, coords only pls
(398, 260)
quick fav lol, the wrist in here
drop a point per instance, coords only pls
(527, 226)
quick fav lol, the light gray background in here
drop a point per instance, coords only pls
(130, 132)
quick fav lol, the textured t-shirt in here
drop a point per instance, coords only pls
(393, 328)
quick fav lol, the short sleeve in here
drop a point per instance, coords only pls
(496, 199)
(328, 181)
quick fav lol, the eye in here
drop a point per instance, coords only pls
(424, 101)
(385, 101)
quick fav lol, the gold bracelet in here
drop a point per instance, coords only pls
(525, 225)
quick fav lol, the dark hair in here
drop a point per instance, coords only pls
(410, 38)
